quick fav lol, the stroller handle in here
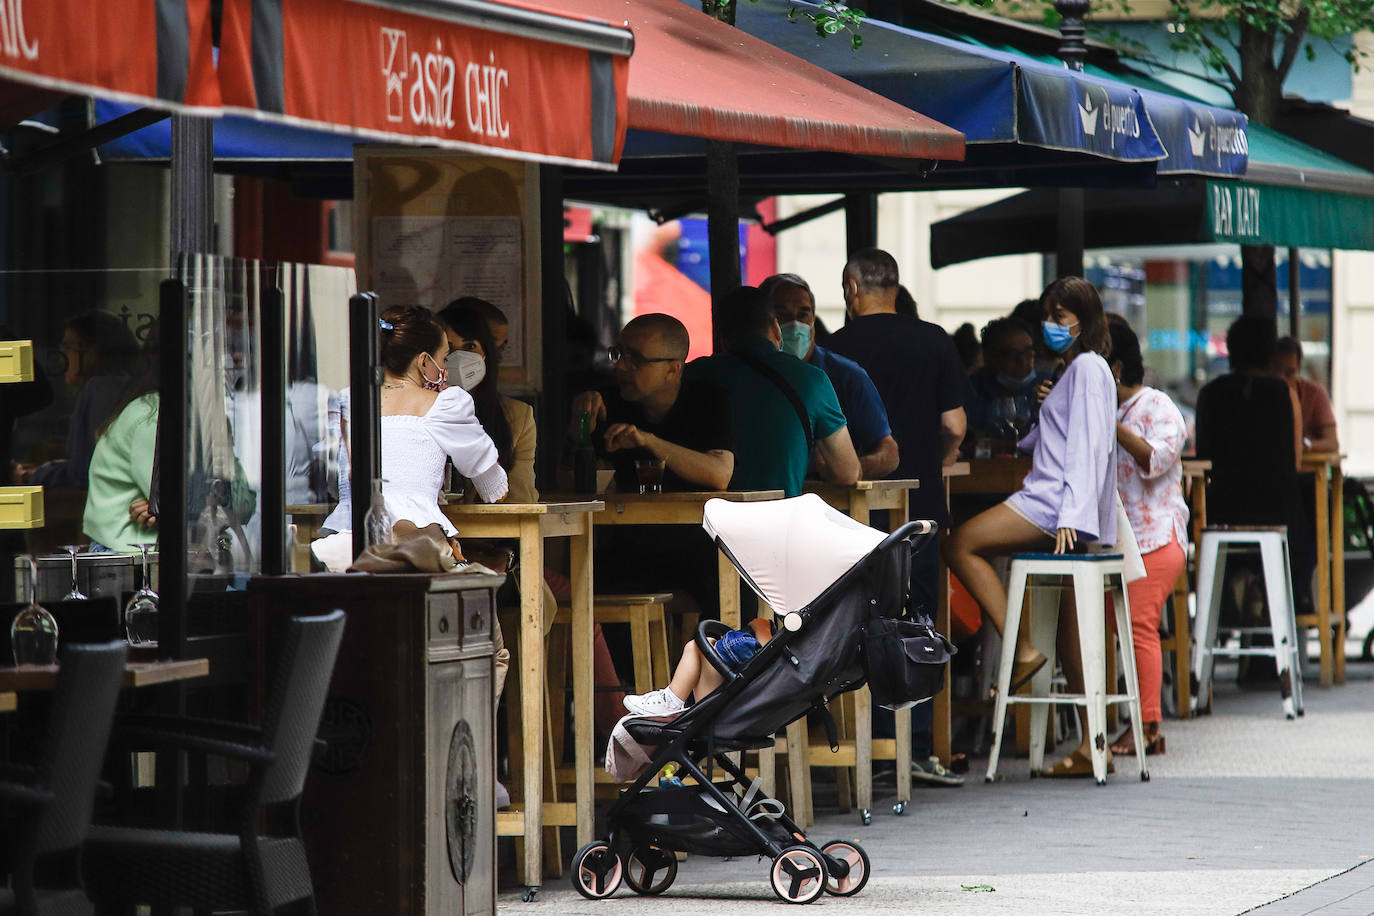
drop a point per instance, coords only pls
(920, 527)
(708, 630)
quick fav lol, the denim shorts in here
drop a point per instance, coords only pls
(737, 647)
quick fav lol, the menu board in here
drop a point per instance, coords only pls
(435, 226)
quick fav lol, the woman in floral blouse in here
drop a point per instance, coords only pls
(1150, 433)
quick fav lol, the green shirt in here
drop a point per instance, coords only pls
(121, 472)
(770, 445)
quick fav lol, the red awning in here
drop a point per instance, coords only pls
(488, 77)
(153, 54)
(695, 76)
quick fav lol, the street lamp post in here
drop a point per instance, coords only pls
(1072, 47)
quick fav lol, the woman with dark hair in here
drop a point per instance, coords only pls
(1150, 432)
(100, 352)
(474, 360)
(1069, 495)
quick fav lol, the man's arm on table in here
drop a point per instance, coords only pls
(881, 461)
(709, 470)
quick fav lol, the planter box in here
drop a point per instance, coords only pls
(21, 507)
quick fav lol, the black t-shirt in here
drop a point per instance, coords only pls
(1245, 427)
(919, 375)
(699, 420)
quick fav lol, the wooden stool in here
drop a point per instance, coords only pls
(1090, 576)
(648, 632)
(1272, 544)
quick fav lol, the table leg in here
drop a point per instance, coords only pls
(532, 694)
(1183, 664)
(729, 590)
(580, 550)
(1324, 576)
(1338, 567)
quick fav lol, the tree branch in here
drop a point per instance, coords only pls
(1220, 57)
(1294, 41)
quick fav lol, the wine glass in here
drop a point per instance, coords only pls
(75, 593)
(140, 614)
(33, 632)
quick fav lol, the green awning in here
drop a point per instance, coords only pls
(1286, 217)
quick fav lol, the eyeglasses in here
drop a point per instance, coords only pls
(634, 359)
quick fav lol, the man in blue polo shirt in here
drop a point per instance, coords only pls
(794, 305)
(782, 410)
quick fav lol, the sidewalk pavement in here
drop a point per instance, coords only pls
(1247, 812)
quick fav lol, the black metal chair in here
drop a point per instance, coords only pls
(49, 806)
(244, 869)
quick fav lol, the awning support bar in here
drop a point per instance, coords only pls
(69, 147)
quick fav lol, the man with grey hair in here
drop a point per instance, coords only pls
(921, 379)
(795, 308)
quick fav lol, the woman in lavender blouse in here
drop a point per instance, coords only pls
(1069, 495)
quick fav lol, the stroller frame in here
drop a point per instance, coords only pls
(647, 825)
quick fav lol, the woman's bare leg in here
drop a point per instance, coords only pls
(997, 532)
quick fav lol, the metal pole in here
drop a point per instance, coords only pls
(365, 409)
(860, 221)
(1073, 50)
(171, 468)
(1294, 294)
(272, 333)
(722, 189)
(1073, 47)
(554, 315)
(193, 216)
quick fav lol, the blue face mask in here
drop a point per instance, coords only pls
(1006, 381)
(1057, 337)
(796, 338)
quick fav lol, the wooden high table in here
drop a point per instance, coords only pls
(531, 523)
(685, 509)
(136, 674)
(9, 701)
(1329, 487)
(859, 502)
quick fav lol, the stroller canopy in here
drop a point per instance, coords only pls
(791, 550)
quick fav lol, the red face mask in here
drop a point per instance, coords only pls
(438, 384)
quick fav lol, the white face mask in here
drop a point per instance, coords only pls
(466, 369)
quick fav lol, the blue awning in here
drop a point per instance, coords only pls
(1000, 96)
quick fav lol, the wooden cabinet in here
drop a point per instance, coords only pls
(399, 811)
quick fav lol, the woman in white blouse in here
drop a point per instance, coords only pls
(1150, 433)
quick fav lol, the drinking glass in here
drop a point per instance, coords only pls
(650, 474)
(75, 593)
(140, 614)
(33, 632)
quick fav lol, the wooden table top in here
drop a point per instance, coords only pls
(1196, 467)
(320, 509)
(957, 469)
(681, 508)
(866, 485)
(1322, 459)
(9, 701)
(544, 507)
(136, 674)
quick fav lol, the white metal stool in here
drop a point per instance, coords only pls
(1090, 576)
(1215, 546)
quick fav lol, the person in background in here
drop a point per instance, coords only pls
(1047, 362)
(794, 305)
(918, 373)
(100, 351)
(117, 517)
(784, 411)
(1069, 495)
(1150, 433)
(966, 342)
(1314, 404)
(1007, 374)
(1249, 425)
(906, 303)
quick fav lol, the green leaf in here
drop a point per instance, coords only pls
(856, 41)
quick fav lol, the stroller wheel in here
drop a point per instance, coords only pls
(798, 874)
(596, 870)
(650, 871)
(853, 854)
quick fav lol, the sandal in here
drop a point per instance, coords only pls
(1022, 672)
(1077, 764)
(1125, 744)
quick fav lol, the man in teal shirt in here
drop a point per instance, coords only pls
(770, 392)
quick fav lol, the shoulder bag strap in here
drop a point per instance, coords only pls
(768, 372)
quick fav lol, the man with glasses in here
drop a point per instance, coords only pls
(652, 412)
(794, 305)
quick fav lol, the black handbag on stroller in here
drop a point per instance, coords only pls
(825, 576)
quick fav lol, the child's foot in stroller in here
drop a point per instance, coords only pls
(661, 702)
(932, 772)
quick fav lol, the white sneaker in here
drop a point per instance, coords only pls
(661, 702)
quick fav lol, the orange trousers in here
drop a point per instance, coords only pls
(1147, 596)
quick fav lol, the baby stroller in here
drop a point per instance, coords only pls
(826, 577)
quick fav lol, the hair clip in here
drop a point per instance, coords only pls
(385, 325)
